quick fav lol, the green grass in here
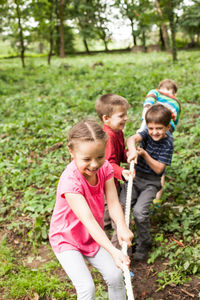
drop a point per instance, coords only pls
(38, 106)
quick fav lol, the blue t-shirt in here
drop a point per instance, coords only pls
(161, 151)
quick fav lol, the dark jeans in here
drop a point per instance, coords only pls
(107, 219)
(114, 238)
(109, 222)
(145, 188)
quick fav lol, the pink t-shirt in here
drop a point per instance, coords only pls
(66, 230)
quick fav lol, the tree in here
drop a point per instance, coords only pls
(166, 10)
(163, 27)
(44, 14)
(172, 23)
(61, 19)
(101, 21)
(127, 9)
(139, 13)
(3, 13)
(16, 24)
(190, 21)
(20, 29)
(84, 14)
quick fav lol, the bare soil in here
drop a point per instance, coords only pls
(144, 282)
(145, 285)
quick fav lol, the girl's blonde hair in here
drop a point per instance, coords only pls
(85, 131)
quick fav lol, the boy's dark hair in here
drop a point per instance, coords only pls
(105, 105)
(169, 84)
(85, 131)
(158, 114)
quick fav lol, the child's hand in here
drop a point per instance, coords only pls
(119, 258)
(132, 155)
(124, 234)
(141, 151)
(126, 173)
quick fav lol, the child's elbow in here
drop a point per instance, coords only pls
(160, 170)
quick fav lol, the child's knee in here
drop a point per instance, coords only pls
(86, 291)
(115, 279)
(139, 215)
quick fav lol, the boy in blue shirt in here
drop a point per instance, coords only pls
(152, 156)
(165, 94)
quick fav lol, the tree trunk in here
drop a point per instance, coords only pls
(41, 47)
(133, 33)
(106, 45)
(173, 31)
(134, 39)
(163, 27)
(21, 36)
(144, 41)
(62, 41)
(105, 42)
(86, 45)
(57, 28)
(51, 34)
(161, 39)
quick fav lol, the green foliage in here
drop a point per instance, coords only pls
(182, 249)
(38, 106)
(18, 280)
(69, 38)
(190, 19)
(6, 259)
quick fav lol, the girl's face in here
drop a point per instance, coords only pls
(89, 158)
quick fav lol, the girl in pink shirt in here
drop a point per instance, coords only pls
(76, 230)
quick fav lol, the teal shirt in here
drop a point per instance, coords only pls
(170, 101)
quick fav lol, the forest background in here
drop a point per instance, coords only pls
(57, 58)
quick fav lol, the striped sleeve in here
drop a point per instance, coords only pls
(151, 98)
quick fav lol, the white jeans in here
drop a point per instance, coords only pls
(74, 265)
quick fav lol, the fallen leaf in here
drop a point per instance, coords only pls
(36, 297)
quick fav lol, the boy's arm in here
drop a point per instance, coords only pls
(131, 144)
(164, 158)
(143, 124)
(157, 166)
(149, 101)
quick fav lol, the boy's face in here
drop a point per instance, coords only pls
(157, 131)
(118, 119)
(167, 91)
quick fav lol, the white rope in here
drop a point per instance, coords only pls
(127, 277)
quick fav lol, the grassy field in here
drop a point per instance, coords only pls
(38, 106)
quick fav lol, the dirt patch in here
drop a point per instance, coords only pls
(144, 282)
(145, 285)
(44, 255)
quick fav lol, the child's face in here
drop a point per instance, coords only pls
(166, 91)
(157, 131)
(118, 119)
(89, 157)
